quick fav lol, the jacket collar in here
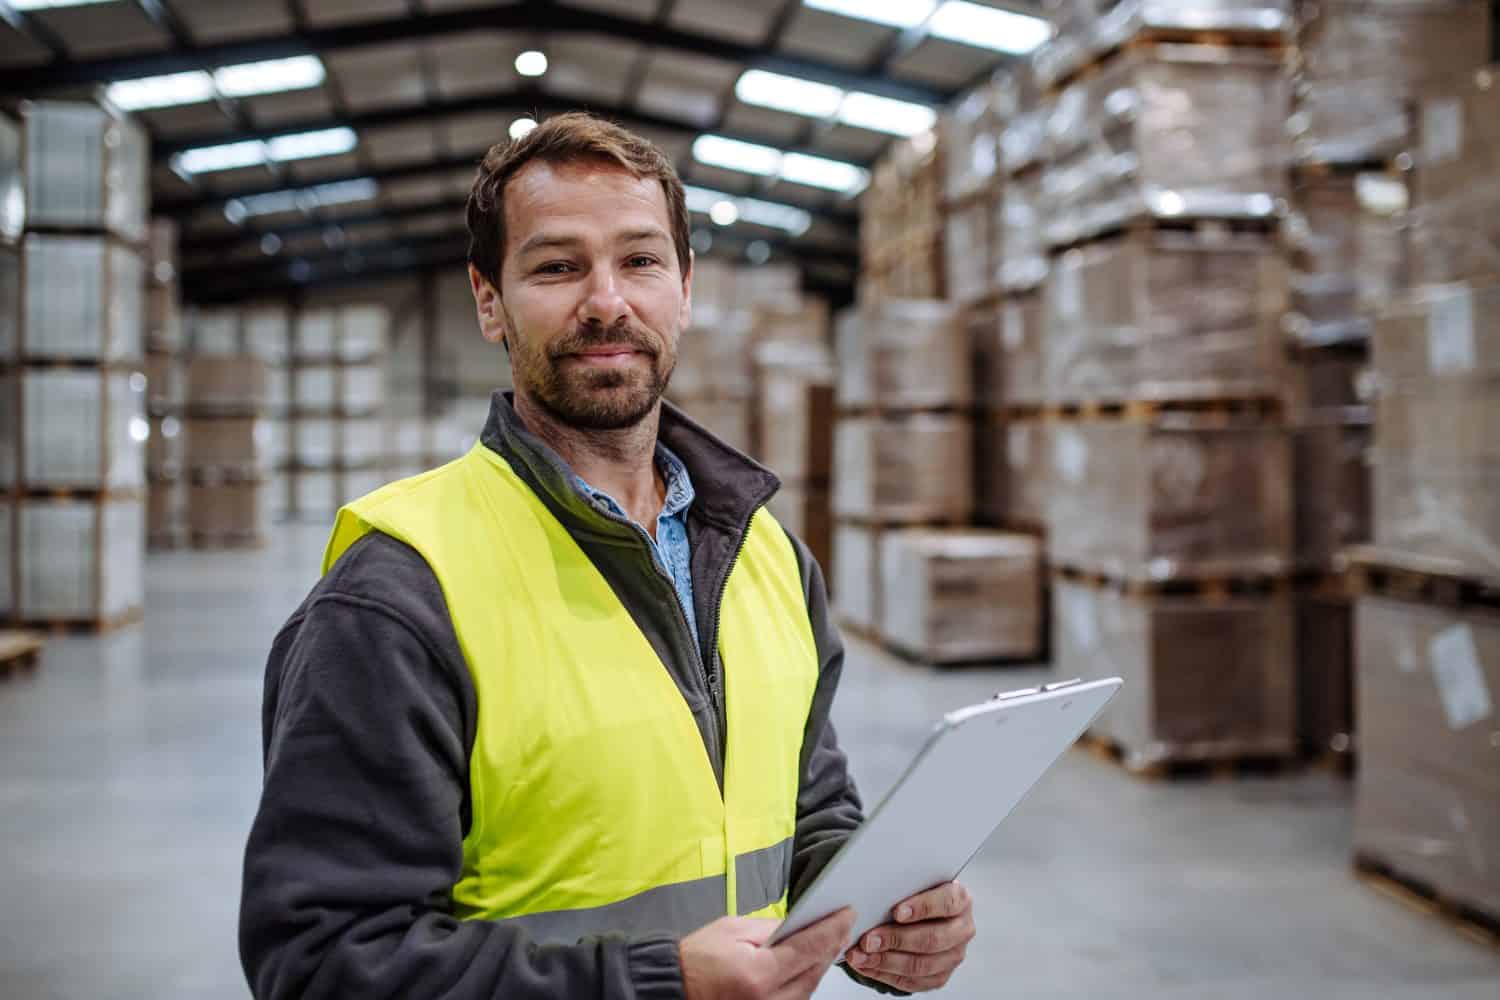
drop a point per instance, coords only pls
(729, 485)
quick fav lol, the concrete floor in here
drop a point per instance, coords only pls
(130, 765)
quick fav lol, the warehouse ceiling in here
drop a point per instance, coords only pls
(303, 143)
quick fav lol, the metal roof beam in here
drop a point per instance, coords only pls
(530, 16)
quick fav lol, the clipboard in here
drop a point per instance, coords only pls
(976, 766)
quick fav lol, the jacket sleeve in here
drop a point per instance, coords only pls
(358, 838)
(828, 804)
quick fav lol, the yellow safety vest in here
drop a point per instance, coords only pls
(594, 803)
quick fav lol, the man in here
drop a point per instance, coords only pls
(555, 721)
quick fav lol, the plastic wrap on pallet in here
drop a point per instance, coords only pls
(1325, 672)
(80, 559)
(314, 494)
(1333, 490)
(361, 387)
(362, 441)
(1271, 20)
(230, 510)
(237, 446)
(166, 513)
(166, 449)
(768, 284)
(215, 333)
(916, 354)
(166, 382)
(408, 438)
(278, 390)
(12, 188)
(1455, 232)
(227, 384)
(1449, 331)
(315, 389)
(795, 409)
(268, 334)
(856, 579)
(970, 139)
(1324, 238)
(731, 420)
(315, 334)
(1071, 44)
(1012, 467)
(713, 356)
(364, 332)
(968, 252)
(1452, 420)
(315, 442)
(1427, 802)
(279, 449)
(948, 596)
(84, 299)
(10, 303)
(86, 168)
(911, 468)
(1445, 511)
(1177, 496)
(1022, 261)
(1164, 315)
(1363, 61)
(1171, 708)
(1173, 130)
(84, 428)
(1022, 340)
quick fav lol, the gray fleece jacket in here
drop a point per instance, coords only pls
(369, 719)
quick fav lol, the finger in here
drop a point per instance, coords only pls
(802, 987)
(816, 944)
(928, 937)
(947, 900)
(902, 963)
(755, 930)
(906, 984)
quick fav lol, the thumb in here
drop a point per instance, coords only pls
(756, 932)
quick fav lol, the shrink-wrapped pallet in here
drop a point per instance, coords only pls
(1362, 62)
(1444, 512)
(166, 513)
(1012, 469)
(730, 420)
(227, 385)
(82, 300)
(1456, 234)
(1173, 497)
(216, 333)
(903, 469)
(80, 560)
(1325, 274)
(348, 389)
(969, 135)
(10, 303)
(1008, 344)
(315, 335)
(856, 578)
(795, 410)
(795, 318)
(1164, 315)
(1021, 263)
(1203, 680)
(315, 442)
(1439, 331)
(969, 251)
(1167, 131)
(86, 168)
(236, 448)
(1332, 480)
(1427, 802)
(230, 512)
(950, 596)
(268, 334)
(713, 356)
(166, 450)
(82, 428)
(162, 268)
(361, 441)
(318, 494)
(364, 332)
(906, 354)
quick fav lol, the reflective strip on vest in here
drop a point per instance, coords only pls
(593, 800)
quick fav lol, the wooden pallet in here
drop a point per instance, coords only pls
(1209, 588)
(64, 494)
(1147, 38)
(19, 652)
(1314, 169)
(1405, 576)
(1218, 768)
(965, 410)
(240, 474)
(1208, 228)
(1473, 923)
(1222, 409)
(918, 660)
(84, 626)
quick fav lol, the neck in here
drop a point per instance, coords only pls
(619, 462)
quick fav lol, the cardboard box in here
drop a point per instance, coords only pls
(1332, 491)
(1022, 262)
(904, 469)
(82, 299)
(1449, 420)
(80, 560)
(230, 511)
(235, 446)
(1439, 331)
(165, 329)
(166, 513)
(166, 383)
(1427, 802)
(1163, 315)
(1203, 680)
(713, 356)
(969, 250)
(905, 354)
(267, 331)
(1012, 470)
(795, 411)
(1443, 511)
(345, 389)
(80, 428)
(969, 134)
(730, 420)
(86, 168)
(232, 385)
(949, 596)
(166, 450)
(856, 579)
(1170, 498)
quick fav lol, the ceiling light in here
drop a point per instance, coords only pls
(731, 154)
(237, 210)
(307, 145)
(724, 213)
(758, 252)
(788, 93)
(531, 63)
(270, 244)
(521, 127)
(894, 13)
(988, 27)
(771, 214)
(816, 171)
(206, 159)
(882, 114)
(271, 76)
(49, 4)
(161, 91)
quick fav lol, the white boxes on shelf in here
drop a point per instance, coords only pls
(82, 299)
(80, 560)
(81, 429)
(85, 168)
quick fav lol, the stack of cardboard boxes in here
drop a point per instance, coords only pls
(1427, 626)
(73, 397)
(166, 393)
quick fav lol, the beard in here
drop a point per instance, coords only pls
(598, 399)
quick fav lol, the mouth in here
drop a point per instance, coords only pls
(610, 355)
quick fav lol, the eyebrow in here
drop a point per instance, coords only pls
(546, 241)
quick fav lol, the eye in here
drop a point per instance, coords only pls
(555, 267)
(643, 260)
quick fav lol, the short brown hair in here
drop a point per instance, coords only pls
(561, 139)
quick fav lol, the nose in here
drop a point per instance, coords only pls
(602, 304)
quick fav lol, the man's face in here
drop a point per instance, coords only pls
(591, 298)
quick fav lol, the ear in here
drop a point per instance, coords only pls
(685, 314)
(488, 307)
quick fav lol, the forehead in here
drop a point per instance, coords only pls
(591, 195)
